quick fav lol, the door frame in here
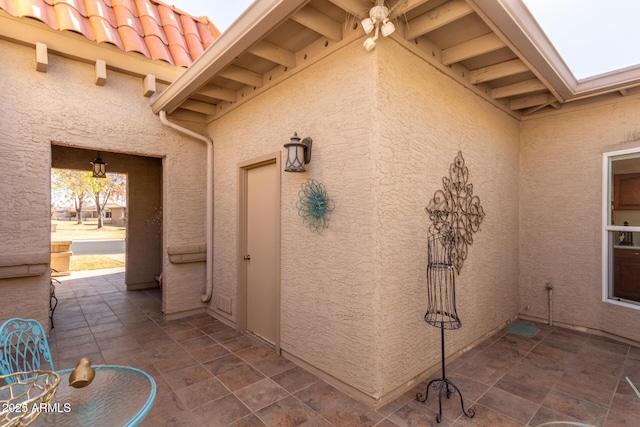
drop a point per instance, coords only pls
(243, 171)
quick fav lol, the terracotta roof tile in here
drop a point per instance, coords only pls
(146, 7)
(194, 45)
(129, 4)
(125, 17)
(132, 41)
(189, 26)
(76, 4)
(168, 17)
(101, 9)
(158, 49)
(207, 33)
(70, 19)
(37, 9)
(180, 55)
(175, 36)
(104, 32)
(149, 27)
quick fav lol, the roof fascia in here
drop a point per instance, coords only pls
(253, 25)
(516, 22)
(68, 44)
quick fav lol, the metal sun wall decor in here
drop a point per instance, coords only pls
(314, 205)
(455, 208)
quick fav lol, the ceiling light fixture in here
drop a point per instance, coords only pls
(378, 20)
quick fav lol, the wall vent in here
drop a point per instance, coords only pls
(224, 304)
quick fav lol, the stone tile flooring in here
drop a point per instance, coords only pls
(208, 375)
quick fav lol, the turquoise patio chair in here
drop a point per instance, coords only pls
(23, 347)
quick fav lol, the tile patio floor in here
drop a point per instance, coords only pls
(208, 375)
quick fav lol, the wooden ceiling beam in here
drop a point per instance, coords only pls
(475, 47)
(353, 7)
(498, 71)
(436, 18)
(533, 100)
(318, 22)
(406, 6)
(199, 107)
(273, 53)
(241, 75)
(217, 92)
(527, 86)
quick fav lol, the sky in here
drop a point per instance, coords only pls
(592, 36)
(221, 12)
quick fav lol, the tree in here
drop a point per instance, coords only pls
(114, 185)
(75, 184)
(78, 186)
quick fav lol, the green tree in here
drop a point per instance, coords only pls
(79, 186)
(74, 184)
(103, 189)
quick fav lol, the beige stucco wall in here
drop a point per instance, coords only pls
(424, 118)
(65, 107)
(386, 126)
(327, 280)
(561, 214)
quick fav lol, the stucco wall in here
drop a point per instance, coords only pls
(327, 284)
(424, 118)
(64, 106)
(561, 214)
(386, 126)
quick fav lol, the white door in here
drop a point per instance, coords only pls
(262, 248)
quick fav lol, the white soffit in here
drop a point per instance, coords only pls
(517, 22)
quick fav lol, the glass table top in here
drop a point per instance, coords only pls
(117, 396)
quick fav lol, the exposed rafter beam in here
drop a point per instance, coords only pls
(406, 7)
(188, 116)
(527, 86)
(318, 22)
(199, 107)
(475, 47)
(217, 92)
(498, 71)
(242, 75)
(529, 101)
(274, 53)
(354, 7)
(438, 17)
(624, 92)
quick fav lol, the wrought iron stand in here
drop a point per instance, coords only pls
(455, 214)
(441, 310)
(444, 386)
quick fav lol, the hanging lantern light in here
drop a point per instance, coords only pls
(99, 167)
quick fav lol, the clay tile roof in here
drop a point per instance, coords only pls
(149, 27)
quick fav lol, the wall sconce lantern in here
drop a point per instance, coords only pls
(99, 167)
(298, 154)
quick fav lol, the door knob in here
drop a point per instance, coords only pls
(247, 257)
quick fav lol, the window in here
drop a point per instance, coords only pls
(621, 227)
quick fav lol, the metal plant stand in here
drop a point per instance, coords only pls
(441, 311)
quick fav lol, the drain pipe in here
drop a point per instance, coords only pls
(206, 296)
(550, 289)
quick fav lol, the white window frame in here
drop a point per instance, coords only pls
(607, 227)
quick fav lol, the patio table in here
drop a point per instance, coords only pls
(118, 396)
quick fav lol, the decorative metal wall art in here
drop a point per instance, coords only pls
(455, 208)
(314, 205)
(455, 214)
